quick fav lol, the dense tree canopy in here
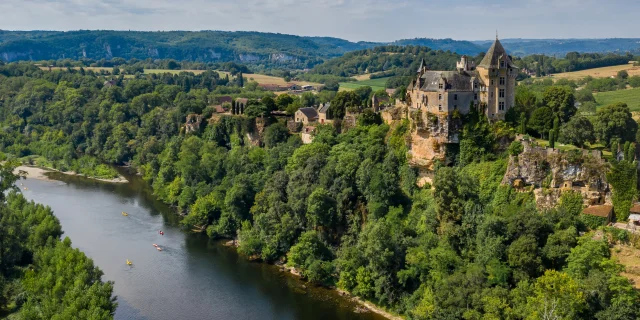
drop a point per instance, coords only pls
(343, 210)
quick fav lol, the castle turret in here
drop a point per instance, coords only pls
(464, 65)
(499, 76)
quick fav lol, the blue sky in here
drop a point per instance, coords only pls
(369, 20)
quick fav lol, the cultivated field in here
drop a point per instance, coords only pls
(629, 96)
(603, 72)
(260, 78)
(362, 77)
(375, 84)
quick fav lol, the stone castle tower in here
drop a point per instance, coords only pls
(489, 86)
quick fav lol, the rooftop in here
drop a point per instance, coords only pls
(311, 113)
(603, 211)
(494, 53)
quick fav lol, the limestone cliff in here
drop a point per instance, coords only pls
(430, 134)
(549, 172)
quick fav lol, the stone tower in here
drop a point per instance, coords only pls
(498, 74)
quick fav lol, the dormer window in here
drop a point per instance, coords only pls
(502, 65)
(440, 86)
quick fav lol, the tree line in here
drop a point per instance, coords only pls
(41, 275)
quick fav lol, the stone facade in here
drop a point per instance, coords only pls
(490, 86)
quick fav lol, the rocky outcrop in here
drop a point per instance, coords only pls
(193, 123)
(549, 172)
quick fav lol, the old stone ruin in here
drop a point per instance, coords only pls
(549, 172)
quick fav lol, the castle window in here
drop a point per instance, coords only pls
(455, 97)
(491, 82)
(440, 86)
(501, 64)
(491, 94)
(502, 81)
(501, 93)
(501, 105)
(439, 107)
(475, 96)
(440, 96)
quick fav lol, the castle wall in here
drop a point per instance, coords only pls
(460, 100)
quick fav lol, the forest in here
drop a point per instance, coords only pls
(41, 275)
(400, 63)
(344, 210)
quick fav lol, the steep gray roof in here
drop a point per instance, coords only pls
(311, 113)
(493, 54)
(422, 65)
(455, 81)
(324, 107)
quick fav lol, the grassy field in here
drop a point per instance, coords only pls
(603, 72)
(375, 84)
(629, 96)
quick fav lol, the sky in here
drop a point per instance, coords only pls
(355, 20)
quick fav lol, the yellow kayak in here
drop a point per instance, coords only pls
(124, 213)
(129, 262)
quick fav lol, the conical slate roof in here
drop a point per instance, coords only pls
(422, 65)
(491, 58)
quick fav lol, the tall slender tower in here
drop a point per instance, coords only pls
(499, 76)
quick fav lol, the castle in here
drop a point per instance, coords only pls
(489, 86)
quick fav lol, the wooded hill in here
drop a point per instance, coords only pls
(217, 46)
(266, 49)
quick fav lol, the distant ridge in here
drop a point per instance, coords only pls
(266, 49)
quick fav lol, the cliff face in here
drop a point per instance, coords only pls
(549, 172)
(430, 136)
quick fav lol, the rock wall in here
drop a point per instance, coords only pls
(549, 172)
(430, 134)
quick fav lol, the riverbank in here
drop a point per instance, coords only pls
(40, 174)
(366, 304)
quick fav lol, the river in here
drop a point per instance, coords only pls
(192, 277)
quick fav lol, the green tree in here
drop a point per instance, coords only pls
(623, 74)
(578, 131)
(556, 296)
(342, 102)
(614, 122)
(623, 179)
(560, 100)
(541, 120)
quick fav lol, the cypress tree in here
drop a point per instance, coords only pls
(552, 138)
(523, 123)
(240, 80)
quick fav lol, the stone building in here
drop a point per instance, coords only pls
(489, 86)
(322, 113)
(306, 115)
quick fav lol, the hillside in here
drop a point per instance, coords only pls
(264, 49)
(387, 61)
(207, 46)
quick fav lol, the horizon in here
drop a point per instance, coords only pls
(353, 20)
(315, 36)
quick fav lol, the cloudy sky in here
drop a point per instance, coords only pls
(370, 20)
